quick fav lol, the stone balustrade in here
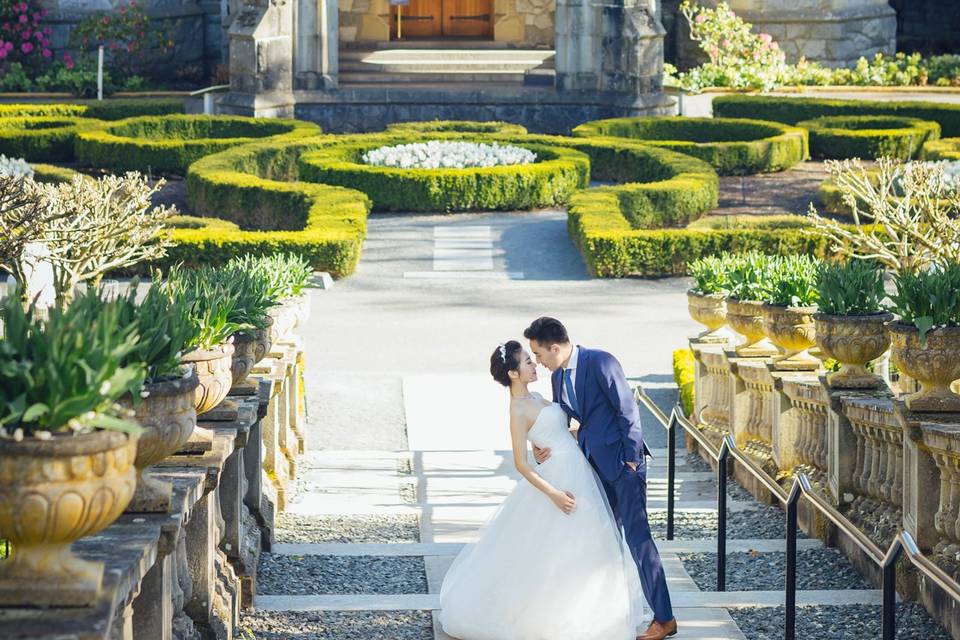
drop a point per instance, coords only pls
(884, 467)
(187, 573)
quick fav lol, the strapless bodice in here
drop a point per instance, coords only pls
(550, 430)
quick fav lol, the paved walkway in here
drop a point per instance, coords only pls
(404, 421)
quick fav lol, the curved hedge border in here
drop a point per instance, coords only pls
(868, 137)
(732, 146)
(945, 149)
(254, 187)
(112, 109)
(461, 126)
(171, 143)
(549, 181)
(794, 110)
(42, 138)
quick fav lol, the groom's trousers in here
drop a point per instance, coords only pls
(628, 499)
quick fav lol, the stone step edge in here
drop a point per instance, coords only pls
(453, 548)
(681, 599)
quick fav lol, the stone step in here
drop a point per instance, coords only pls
(384, 77)
(453, 548)
(434, 45)
(680, 599)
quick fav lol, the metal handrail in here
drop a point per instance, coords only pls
(903, 542)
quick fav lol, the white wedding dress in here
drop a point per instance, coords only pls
(537, 573)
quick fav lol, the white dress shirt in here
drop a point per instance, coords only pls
(572, 366)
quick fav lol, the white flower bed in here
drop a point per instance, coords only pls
(16, 167)
(448, 155)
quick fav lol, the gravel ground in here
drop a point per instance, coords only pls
(763, 523)
(752, 571)
(314, 575)
(336, 625)
(696, 463)
(848, 622)
(355, 529)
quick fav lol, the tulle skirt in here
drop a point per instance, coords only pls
(537, 573)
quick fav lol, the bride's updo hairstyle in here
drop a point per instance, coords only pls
(505, 358)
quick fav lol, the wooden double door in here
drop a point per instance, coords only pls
(443, 19)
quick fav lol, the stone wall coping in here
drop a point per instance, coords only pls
(128, 548)
(806, 388)
(872, 410)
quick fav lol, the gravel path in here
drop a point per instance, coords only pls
(763, 523)
(861, 622)
(354, 529)
(696, 463)
(752, 571)
(313, 575)
(336, 625)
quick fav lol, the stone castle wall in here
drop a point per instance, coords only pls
(832, 32)
(194, 26)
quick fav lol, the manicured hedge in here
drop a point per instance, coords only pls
(256, 187)
(197, 222)
(868, 137)
(549, 181)
(112, 109)
(458, 126)
(41, 138)
(52, 174)
(169, 144)
(794, 110)
(683, 375)
(945, 149)
(732, 146)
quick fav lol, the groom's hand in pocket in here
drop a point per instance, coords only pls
(540, 455)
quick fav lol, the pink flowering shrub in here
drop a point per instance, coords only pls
(23, 37)
(738, 57)
(126, 36)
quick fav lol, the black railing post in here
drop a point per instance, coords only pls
(890, 589)
(790, 605)
(671, 470)
(722, 517)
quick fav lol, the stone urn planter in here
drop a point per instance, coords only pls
(215, 375)
(710, 310)
(791, 329)
(284, 318)
(263, 342)
(934, 365)
(168, 417)
(746, 318)
(52, 493)
(244, 356)
(853, 341)
(301, 305)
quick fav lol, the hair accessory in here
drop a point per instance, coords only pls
(503, 353)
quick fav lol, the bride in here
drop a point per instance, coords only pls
(550, 564)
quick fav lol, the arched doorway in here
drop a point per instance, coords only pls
(442, 19)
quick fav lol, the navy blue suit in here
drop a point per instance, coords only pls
(610, 436)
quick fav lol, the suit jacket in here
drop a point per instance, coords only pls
(610, 434)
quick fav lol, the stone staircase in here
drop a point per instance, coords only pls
(424, 63)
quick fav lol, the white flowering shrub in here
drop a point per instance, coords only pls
(448, 155)
(15, 167)
(947, 172)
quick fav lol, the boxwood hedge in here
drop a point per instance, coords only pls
(732, 146)
(793, 110)
(458, 126)
(868, 137)
(945, 149)
(549, 181)
(170, 143)
(42, 138)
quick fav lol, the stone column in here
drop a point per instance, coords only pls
(609, 45)
(832, 32)
(261, 60)
(316, 45)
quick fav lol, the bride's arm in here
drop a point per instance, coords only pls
(518, 434)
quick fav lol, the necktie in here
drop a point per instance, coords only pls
(571, 394)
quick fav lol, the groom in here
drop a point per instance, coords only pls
(590, 386)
